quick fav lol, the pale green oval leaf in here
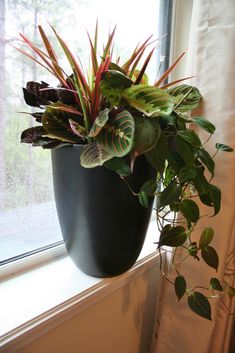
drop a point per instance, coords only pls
(206, 237)
(143, 199)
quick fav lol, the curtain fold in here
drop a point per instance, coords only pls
(211, 59)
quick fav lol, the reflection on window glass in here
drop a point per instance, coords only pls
(27, 212)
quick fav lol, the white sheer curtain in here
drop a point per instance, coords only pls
(212, 60)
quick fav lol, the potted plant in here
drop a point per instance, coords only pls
(117, 142)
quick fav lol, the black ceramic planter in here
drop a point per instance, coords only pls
(102, 223)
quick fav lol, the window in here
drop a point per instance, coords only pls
(28, 220)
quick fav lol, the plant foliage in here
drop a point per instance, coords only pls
(117, 115)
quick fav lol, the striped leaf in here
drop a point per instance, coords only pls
(188, 97)
(117, 135)
(92, 155)
(150, 100)
(99, 123)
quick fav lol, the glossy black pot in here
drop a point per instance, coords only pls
(102, 223)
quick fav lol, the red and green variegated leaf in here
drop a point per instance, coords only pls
(117, 135)
(168, 71)
(65, 108)
(92, 155)
(136, 55)
(142, 71)
(99, 123)
(51, 53)
(77, 129)
(150, 100)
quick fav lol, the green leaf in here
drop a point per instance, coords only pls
(173, 237)
(204, 124)
(231, 291)
(170, 194)
(206, 237)
(185, 151)
(143, 199)
(99, 123)
(157, 155)
(207, 160)
(92, 155)
(191, 137)
(215, 195)
(112, 84)
(190, 210)
(187, 174)
(200, 182)
(149, 187)
(119, 166)
(215, 284)
(150, 100)
(56, 124)
(117, 136)
(146, 135)
(180, 286)
(222, 147)
(188, 97)
(200, 305)
(193, 250)
(210, 256)
(77, 129)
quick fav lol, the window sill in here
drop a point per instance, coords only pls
(33, 297)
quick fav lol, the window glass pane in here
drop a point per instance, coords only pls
(27, 212)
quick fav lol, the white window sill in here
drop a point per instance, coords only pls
(36, 295)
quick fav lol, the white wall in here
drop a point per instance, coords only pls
(121, 322)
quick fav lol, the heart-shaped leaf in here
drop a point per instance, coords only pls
(222, 147)
(99, 123)
(190, 136)
(200, 305)
(206, 237)
(117, 136)
(188, 97)
(207, 160)
(170, 194)
(187, 174)
(113, 83)
(119, 166)
(92, 155)
(174, 237)
(204, 124)
(150, 100)
(190, 210)
(157, 155)
(180, 286)
(146, 135)
(215, 284)
(210, 257)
